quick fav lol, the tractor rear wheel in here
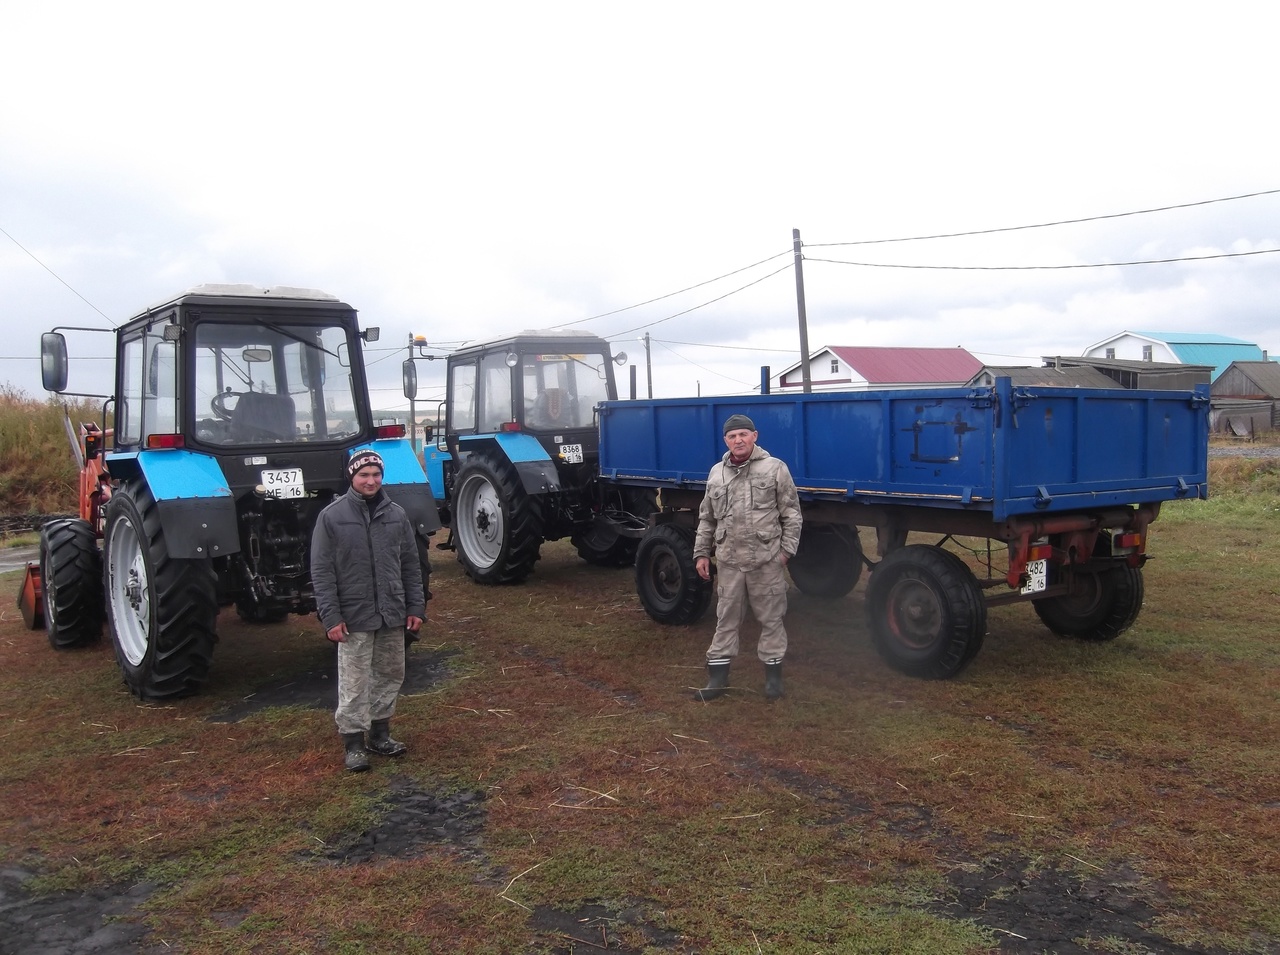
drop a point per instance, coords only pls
(666, 578)
(497, 525)
(71, 574)
(163, 610)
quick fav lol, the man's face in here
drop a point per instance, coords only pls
(368, 480)
(740, 442)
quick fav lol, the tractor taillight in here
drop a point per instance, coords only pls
(385, 431)
(1131, 539)
(158, 441)
(509, 426)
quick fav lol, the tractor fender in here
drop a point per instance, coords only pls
(197, 510)
(404, 482)
(537, 470)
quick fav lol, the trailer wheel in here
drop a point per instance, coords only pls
(497, 525)
(1105, 604)
(71, 574)
(829, 561)
(602, 545)
(925, 611)
(667, 580)
(163, 610)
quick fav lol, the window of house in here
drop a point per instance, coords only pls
(1111, 353)
(1146, 353)
(835, 366)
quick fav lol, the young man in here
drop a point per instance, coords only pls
(750, 518)
(368, 585)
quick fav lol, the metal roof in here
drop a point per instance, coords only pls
(1076, 376)
(1264, 374)
(885, 366)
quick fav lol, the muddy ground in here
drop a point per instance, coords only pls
(1051, 907)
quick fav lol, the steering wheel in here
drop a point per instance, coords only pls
(219, 404)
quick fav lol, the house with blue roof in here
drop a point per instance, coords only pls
(1180, 348)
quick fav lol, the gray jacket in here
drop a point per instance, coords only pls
(365, 571)
(749, 513)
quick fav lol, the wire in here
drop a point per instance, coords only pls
(1018, 268)
(670, 294)
(718, 298)
(737, 381)
(58, 277)
(734, 347)
(1045, 225)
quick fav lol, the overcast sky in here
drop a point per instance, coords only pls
(468, 170)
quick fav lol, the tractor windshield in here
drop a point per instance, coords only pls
(562, 390)
(272, 383)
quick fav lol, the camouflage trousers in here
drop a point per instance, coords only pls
(765, 588)
(370, 674)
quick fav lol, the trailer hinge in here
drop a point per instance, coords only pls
(1183, 488)
(1198, 400)
(1020, 398)
(981, 399)
(1043, 497)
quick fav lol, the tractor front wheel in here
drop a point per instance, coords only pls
(163, 610)
(71, 574)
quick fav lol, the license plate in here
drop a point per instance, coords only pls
(1037, 576)
(571, 453)
(283, 482)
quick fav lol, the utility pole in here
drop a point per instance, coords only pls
(413, 418)
(800, 310)
(648, 364)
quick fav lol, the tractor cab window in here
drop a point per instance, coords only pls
(462, 397)
(562, 390)
(495, 395)
(273, 383)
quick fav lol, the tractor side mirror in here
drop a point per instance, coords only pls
(409, 374)
(53, 361)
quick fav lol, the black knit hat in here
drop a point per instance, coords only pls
(365, 457)
(737, 422)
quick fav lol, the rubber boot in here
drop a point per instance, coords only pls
(773, 680)
(717, 681)
(380, 740)
(357, 760)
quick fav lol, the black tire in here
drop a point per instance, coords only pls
(925, 611)
(829, 561)
(71, 575)
(497, 525)
(162, 610)
(1105, 604)
(603, 545)
(667, 581)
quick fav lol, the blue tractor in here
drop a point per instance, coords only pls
(516, 462)
(234, 412)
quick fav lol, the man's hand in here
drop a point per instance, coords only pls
(338, 634)
(703, 566)
(783, 557)
(412, 624)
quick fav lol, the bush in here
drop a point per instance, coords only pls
(37, 466)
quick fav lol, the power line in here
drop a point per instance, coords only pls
(670, 294)
(35, 259)
(1046, 225)
(716, 345)
(1018, 268)
(704, 304)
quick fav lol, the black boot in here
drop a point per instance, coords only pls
(773, 680)
(380, 740)
(357, 760)
(717, 680)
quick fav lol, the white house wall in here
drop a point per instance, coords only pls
(1130, 347)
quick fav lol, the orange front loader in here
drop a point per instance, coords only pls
(95, 491)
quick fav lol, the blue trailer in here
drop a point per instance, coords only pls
(1061, 483)
(1067, 480)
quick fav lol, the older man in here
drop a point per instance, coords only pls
(750, 520)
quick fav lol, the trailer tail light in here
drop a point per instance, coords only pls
(159, 441)
(1039, 552)
(387, 431)
(1128, 541)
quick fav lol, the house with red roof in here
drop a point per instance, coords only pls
(866, 367)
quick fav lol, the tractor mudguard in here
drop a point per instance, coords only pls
(404, 482)
(538, 474)
(197, 511)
